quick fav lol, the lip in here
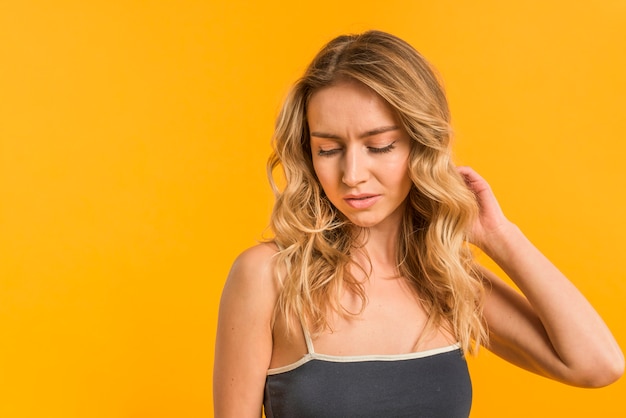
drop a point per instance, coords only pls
(361, 201)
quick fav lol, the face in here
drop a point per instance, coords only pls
(360, 153)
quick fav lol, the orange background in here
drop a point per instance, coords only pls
(133, 140)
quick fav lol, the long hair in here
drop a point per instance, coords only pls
(315, 242)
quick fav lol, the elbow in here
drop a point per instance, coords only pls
(601, 373)
(605, 377)
(611, 372)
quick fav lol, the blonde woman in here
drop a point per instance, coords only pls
(367, 298)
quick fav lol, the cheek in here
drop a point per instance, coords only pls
(396, 173)
(324, 176)
(402, 184)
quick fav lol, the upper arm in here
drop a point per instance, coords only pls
(516, 333)
(552, 331)
(243, 346)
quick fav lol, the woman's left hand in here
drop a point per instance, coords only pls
(491, 219)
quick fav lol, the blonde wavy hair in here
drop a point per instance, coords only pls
(315, 241)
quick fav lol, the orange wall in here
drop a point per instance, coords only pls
(133, 138)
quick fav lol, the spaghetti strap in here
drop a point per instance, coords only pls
(307, 338)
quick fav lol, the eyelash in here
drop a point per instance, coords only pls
(383, 150)
(373, 150)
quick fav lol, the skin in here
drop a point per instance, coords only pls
(359, 150)
(550, 330)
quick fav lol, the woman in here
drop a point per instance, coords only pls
(367, 297)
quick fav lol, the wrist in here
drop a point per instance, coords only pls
(498, 242)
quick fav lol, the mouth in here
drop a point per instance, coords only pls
(361, 201)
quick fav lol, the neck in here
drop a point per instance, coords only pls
(379, 246)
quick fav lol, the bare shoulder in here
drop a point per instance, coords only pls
(252, 276)
(254, 266)
(254, 257)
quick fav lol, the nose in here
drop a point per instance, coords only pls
(355, 170)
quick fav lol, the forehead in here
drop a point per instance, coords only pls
(348, 104)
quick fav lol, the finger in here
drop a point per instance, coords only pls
(466, 174)
(469, 174)
(471, 178)
(474, 181)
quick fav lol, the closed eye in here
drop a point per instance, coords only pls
(328, 152)
(382, 150)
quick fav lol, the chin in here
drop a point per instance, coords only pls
(365, 223)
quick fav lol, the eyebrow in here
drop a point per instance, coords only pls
(372, 132)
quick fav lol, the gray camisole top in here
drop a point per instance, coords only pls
(426, 384)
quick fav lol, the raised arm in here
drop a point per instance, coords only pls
(552, 329)
(243, 346)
